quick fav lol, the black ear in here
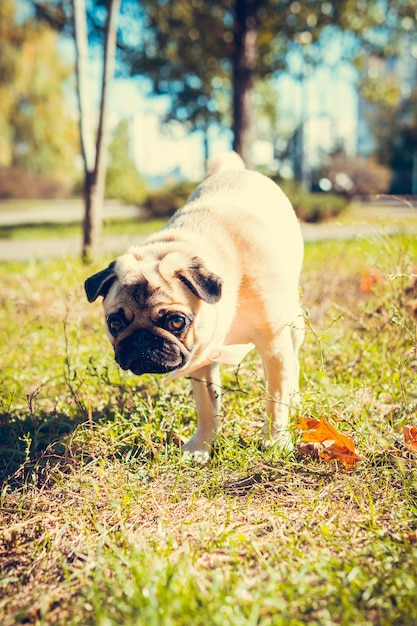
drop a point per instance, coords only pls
(100, 283)
(201, 282)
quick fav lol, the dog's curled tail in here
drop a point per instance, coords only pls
(225, 162)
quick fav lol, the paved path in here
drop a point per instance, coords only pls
(61, 212)
(52, 247)
(24, 250)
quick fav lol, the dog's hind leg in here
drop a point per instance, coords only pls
(207, 395)
(280, 362)
(297, 334)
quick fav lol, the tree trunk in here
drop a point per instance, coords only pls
(93, 215)
(244, 66)
(94, 152)
(90, 234)
(97, 189)
(206, 149)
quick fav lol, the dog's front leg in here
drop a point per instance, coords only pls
(207, 396)
(280, 366)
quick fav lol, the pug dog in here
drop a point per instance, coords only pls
(221, 277)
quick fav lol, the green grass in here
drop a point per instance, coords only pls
(114, 226)
(103, 522)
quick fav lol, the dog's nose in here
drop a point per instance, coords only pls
(134, 347)
(142, 339)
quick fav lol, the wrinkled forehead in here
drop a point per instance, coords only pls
(145, 281)
(131, 271)
(139, 266)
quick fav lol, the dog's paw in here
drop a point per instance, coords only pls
(199, 457)
(197, 451)
(281, 441)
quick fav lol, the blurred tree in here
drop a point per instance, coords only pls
(203, 54)
(194, 50)
(94, 146)
(123, 181)
(98, 24)
(37, 133)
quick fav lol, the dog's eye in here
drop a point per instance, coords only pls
(175, 323)
(115, 324)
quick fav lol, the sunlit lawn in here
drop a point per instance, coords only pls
(104, 523)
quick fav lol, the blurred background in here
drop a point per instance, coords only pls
(319, 95)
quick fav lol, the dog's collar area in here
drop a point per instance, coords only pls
(231, 355)
(227, 355)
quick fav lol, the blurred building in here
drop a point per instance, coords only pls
(165, 154)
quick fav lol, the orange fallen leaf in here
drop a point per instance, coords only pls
(340, 453)
(325, 432)
(307, 423)
(369, 278)
(410, 436)
(332, 444)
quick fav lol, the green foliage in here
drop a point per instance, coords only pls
(182, 51)
(309, 207)
(190, 49)
(164, 202)
(37, 131)
(123, 181)
(313, 207)
(111, 226)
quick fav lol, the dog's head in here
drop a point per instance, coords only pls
(155, 308)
